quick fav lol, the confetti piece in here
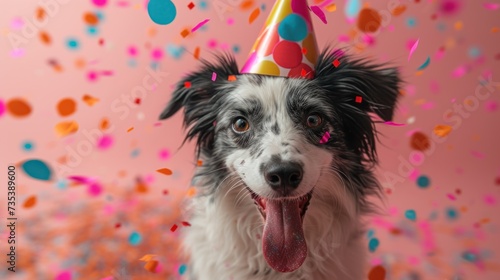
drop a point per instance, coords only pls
(358, 99)
(254, 15)
(72, 44)
(451, 213)
(442, 130)
(28, 146)
(191, 5)
(413, 49)
(94, 189)
(373, 244)
(394, 124)
(185, 33)
(18, 107)
(37, 169)
(65, 275)
(173, 228)
(423, 181)
(187, 84)
(45, 38)
(66, 107)
(199, 25)
(477, 154)
(491, 6)
(191, 192)
(151, 266)
(134, 238)
(186, 224)
(147, 258)
(2, 107)
(369, 20)
(90, 18)
(164, 154)
(105, 142)
(231, 78)
(331, 8)
(104, 124)
(162, 11)
(100, 3)
(246, 4)
(66, 128)
(30, 202)
(214, 76)
(398, 10)
(419, 141)
(89, 100)
(425, 64)
(352, 8)
(336, 63)
(164, 171)
(451, 196)
(411, 215)
(199, 162)
(130, 129)
(196, 53)
(319, 13)
(325, 137)
(377, 273)
(182, 269)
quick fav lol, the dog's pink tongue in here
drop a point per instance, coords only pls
(283, 242)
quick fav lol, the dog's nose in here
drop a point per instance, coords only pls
(283, 176)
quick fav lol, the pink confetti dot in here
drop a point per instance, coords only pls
(212, 43)
(2, 107)
(343, 38)
(17, 23)
(230, 21)
(490, 200)
(94, 189)
(132, 51)
(92, 76)
(164, 154)
(105, 142)
(157, 54)
(100, 3)
(65, 275)
(491, 106)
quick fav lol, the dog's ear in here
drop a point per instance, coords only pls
(367, 86)
(356, 88)
(197, 93)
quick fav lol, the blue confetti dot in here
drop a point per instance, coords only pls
(92, 30)
(370, 233)
(175, 51)
(441, 26)
(474, 52)
(135, 238)
(182, 269)
(236, 49)
(99, 15)
(352, 8)
(72, 44)
(203, 5)
(28, 146)
(293, 28)
(411, 215)
(161, 11)
(411, 22)
(132, 63)
(373, 244)
(452, 213)
(154, 65)
(263, 7)
(135, 153)
(61, 184)
(433, 216)
(468, 256)
(37, 169)
(423, 181)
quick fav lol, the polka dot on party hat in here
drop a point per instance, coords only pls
(162, 11)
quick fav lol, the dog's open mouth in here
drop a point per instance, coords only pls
(283, 240)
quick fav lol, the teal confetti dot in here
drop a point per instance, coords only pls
(37, 169)
(99, 15)
(162, 11)
(182, 269)
(293, 28)
(423, 181)
(411, 22)
(373, 244)
(135, 238)
(236, 49)
(132, 63)
(370, 233)
(175, 51)
(474, 52)
(61, 184)
(203, 5)
(92, 30)
(411, 215)
(135, 153)
(28, 146)
(154, 65)
(452, 213)
(72, 44)
(352, 8)
(470, 257)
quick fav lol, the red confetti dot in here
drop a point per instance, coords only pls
(165, 192)
(191, 5)
(187, 84)
(377, 273)
(336, 63)
(137, 101)
(173, 228)
(287, 54)
(359, 99)
(118, 225)
(186, 224)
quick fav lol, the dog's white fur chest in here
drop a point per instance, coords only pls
(224, 241)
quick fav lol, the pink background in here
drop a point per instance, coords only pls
(462, 43)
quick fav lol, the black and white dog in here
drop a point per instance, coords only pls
(287, 168)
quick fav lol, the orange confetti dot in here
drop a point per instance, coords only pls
(90, 18)
(231, 78)
(40, 13)
(458, 25)
(66, 107)
(398, 10)
(151, 266)
(442, 130)
(30, 202)
(45, 38)
(246, 4)
(66, 128)
(18, 107)
(104, 124)
(197, 53)
(165, 171)
(377, 273)
(254, 15)
(191, 192)
(369, 20)
(199, 163)
(495, 29)
(185, 33)
(141, 187)
(420, 141)
(80, 63)
(130, 129)
(89, 100)
(331, 8)
(147, 258)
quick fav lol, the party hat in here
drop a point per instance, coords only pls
(287, 44)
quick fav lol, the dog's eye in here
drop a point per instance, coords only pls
(240, 125)
(314, 121)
